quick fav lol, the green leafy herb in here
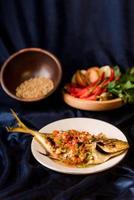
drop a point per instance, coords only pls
(124, 87)
(117, 71)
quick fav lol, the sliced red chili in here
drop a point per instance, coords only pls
(91, 97)
(112, 76)
(98, 91)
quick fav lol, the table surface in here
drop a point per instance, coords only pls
(22, 177)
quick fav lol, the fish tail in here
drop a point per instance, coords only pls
(22, 128)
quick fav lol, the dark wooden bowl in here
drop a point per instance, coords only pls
(28, 63)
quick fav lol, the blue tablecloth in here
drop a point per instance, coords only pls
(22, 177)
(81, 34)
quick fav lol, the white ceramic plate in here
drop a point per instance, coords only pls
(94, 126)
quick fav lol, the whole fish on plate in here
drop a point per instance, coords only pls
(73, 147)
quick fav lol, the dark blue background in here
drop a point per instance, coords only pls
(80, 33)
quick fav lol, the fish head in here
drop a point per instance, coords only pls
(112, 145)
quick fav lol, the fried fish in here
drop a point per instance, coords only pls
(75, 148)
